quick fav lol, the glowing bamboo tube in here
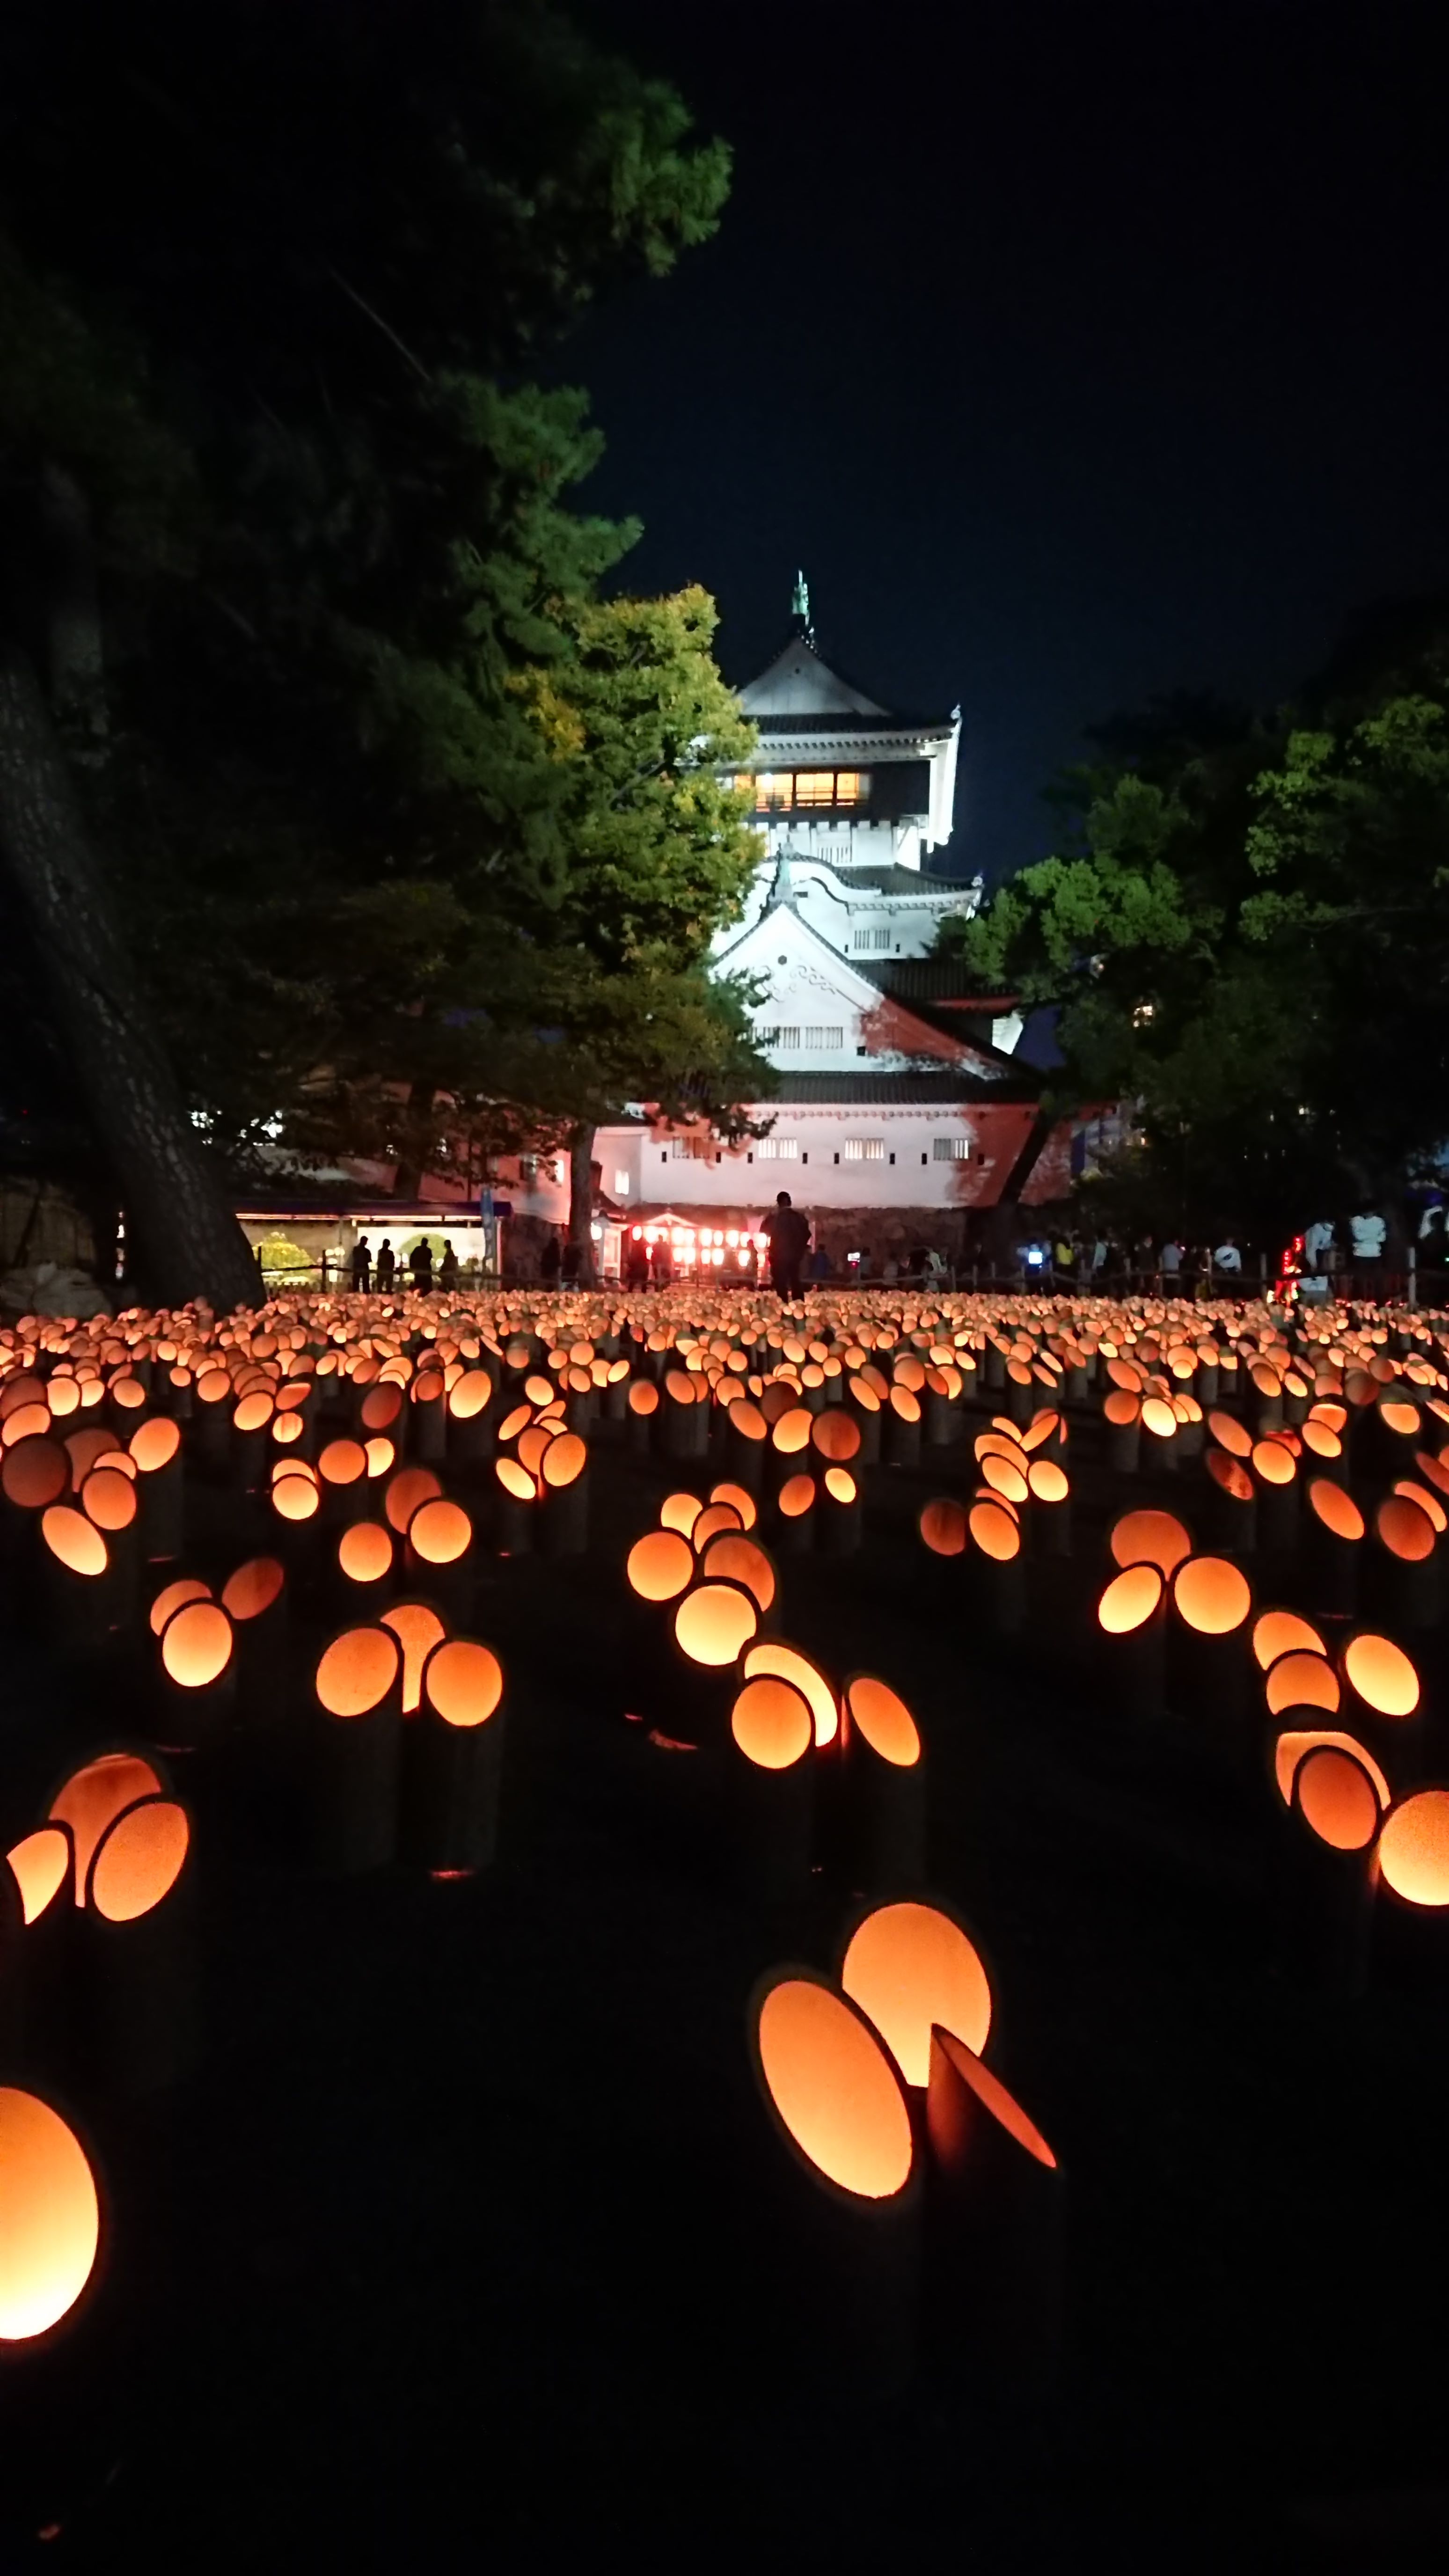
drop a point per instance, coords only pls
(138, 1969)
(840, 1525)
(643, 1414)
(79, 1592)
(864, 1409)
(1334, 1531)
(1410, 1873)
(1122, 1413)
(156, 1449)
(910, 1967)
(452, 1760)
(902, 1433)
(1276, 1492)
(50, 2222)
(684, 1415)
(356, 1732)
(255, 1600)
(882, 1788)
(1209, 1663)
(1329, 1794)
(1131, 1623)
(795, 1515)
(472, 1422)
(564, 1496)
(746, 1441)
(836, 2213)
(995, 1565)
(995, 2228)
(342, 1482)
(1403, 1566)
(769, 1787)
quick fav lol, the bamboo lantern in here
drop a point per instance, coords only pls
(643, 1413)
(1131, 1620)
(88, 1803)
(1160, 1424)
(1283, 1632)
(1403, 1566)
(1209, 1669)
(1122, 1412)
(902, 1421)
(789, 1452)
(365, 1563)
(842, 2187)
(196, 1682)
(515, 1508)
(50, 2225)
(1332, 1794)
(1231, 1515)
(1334, 1527)
(37, 1917)
(211, 1422)
(995, 1562)
(251, 1422)
(882, 1801)
(439, 1558)
(79, 1591)
(356, 1749)
(864, 1409)
(1051, 1512)
(1384, 1700)
(943, 1526)
(840, 1524)
(296, 1524)
(424, 1416)
(108, 1499)
(452, 1760)
(995, 2221)
(564, 1496)
(160, 1487)
(909, 1967)
(746, 1438)
(731, 1557)
(138, 1965)
(1411, 1904)
(254, 1598)
(343, 1482)
(796, 1515)
(417, 1628)
(472, 1422)
(770, 1656)
(770, 1787)
(684, 1416)
(1276, 1492)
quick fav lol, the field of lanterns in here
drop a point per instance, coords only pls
(620, 1865)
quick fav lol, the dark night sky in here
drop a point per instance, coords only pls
(1077, 353)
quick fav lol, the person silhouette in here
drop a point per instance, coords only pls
(386, 1264)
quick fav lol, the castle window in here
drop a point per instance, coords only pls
(788, 1040)
(822, 1036)
(852, 786)
(778, 1149)
(864, 1149)
(874, 938)
(951, 1149)
(774, 791)
(815, 787)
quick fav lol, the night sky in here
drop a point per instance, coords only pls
(1077, 354)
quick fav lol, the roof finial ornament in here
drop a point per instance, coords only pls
(800, 608)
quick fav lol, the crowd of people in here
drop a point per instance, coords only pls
(1096, 1261)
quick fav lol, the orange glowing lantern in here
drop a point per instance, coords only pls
(50, 2222)
(94, 1796)
(833, 2088)
(909, 1966)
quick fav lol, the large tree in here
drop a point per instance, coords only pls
(1247, 933)
(284, 264)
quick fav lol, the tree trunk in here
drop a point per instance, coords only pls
(581, 1202)
(186, 1238)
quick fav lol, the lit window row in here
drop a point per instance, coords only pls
(785, 791)
(778, 1149)
(818, 1036)
(864, 1149)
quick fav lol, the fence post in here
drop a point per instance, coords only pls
(1413, 1274)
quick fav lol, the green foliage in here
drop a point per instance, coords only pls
(418, 837)
(1251, 940)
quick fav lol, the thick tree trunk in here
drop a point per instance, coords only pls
(581, 1203)
(186, 1239)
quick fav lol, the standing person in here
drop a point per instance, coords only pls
(448, 1269)
(788, 1233)
(1171, 1258)
(661, 1266)
(1099, 1255)
(1064, 1260)
(361, 1268)
(386, 1265)
(1317, 1240)
(420, 1262)
(1228, 1258)
(1146, 1258)
(550, 1262)
(818, 1264)
(569, 1263)
(1369, 1232)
